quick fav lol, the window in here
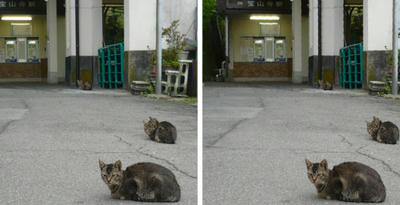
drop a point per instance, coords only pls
(11, 51)
(259, 54)
(262, 49)
(33, 50)
(280, 49)
(19, 50)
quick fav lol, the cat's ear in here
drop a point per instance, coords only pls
(324, 164)
(308, 163)
(367, 122)
(101, 164)
(150, 118)
(144, 122)
(118, 164)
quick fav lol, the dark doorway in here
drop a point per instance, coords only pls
(353, 21)
(113, 22)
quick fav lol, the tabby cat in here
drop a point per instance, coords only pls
(385, 132)
(163, 132)
(143, 181)
(325, 85)
(84, 85)
(348, 181)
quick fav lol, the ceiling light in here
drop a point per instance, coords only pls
(269, 23)
(258, 41)
(10, 42)
(31, 42)
(264, 17)
(20, 24)
(16, 18)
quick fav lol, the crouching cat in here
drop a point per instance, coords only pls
(143, 181)
(325, 85)
(163, 132)
(348, 181)
(384, 132)
(84, 85)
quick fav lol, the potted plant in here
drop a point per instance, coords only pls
(389, 61)
(175, 40)
(169, 60)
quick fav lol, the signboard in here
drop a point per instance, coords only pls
(22, 7)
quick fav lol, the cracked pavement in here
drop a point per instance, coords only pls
(52, 137)
(256, 137)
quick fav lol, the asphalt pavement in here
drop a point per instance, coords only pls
(51, 138)
(256, 137)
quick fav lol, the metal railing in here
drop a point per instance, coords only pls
(111, 66)
(351, 66)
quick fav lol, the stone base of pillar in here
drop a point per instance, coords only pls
(330, 69)
(297, 77)
(88, 69)
(52, 78)
(375, 67)
(136, 66)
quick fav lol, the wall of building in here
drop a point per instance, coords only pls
(332, 27)
(90, 40)
(186, 16)
(378, 19)
(140, 34)
(332, 34)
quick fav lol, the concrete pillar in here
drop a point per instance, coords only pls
(332, 39)
(378, 25)
(297, 42)
(139, 38)
(90, 39)
(52, 71)
(313, 42)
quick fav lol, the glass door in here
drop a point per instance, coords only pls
(21, 50)
(269, 49)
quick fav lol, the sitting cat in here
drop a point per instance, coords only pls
(163, 132)
(325, 85)
(348, 181)
(385, 132)
(84, 85)
(143, 181)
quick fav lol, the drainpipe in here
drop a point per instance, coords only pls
(77, 70)
(319, 40)
(159, 48)
(226, 46)
(395, 72)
